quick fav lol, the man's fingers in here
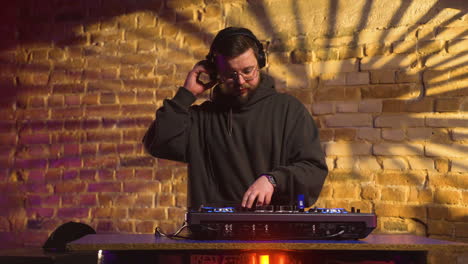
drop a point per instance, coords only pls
(245, 198)
(268, 198)
(251, 199)
(260, 199)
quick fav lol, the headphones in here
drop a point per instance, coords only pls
(229, 32)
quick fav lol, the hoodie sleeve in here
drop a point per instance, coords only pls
(306, 168)
(167, 136)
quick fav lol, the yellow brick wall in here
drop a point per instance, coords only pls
(385, 80)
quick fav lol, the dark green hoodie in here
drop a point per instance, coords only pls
(229, 145)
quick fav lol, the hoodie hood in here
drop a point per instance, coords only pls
(265, 88)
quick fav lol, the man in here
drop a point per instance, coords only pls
(248, 144)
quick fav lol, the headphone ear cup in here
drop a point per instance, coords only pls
(261, 58)
(211, 66)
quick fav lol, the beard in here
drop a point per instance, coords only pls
(240, 94)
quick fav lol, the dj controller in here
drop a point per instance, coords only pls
(279, 222)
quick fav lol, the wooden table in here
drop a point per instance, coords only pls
(151, 249)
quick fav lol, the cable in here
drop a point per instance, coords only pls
(159, 232)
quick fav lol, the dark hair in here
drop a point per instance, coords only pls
(235, 45)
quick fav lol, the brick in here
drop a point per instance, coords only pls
(100, 162)
(459, 134)
(370, 192)
(166, 199)
(443, 61)
(430, 46)
(421, 195)
(393, 134)
(67, 162)
(445, 196)
(447, 120)
(346, 163)
(408, 76)
(442, 165)
(457, 213)
(333, 78)
(163, 174)
(448, 104)
(102, 111)
(30, 163)
(393, 91)
(142, 186)
(368, 163)
(323, 108)
(148, 213)
(146, 227)
(84, 200)
(302, 56)
(370, 106)
(399, 120)
(31, 114)
(439, 227)
(338, 93)
(349, 120)
(137, 161)
(457, 46)
(113, 213)
(459, 165)
(395, 149)
(417, 163)
(346, 107)
(345, 134)
(125, 226)
(451, 33)
(144, 201)
(388, 62)
(70, 187)
(71, 112)
(349, 65)
(393, 210)
(327, 53)
(347, 52)
(35, 138)
(369, 134)
(398, 178)
(444, 150)
(103, 136)
(107, 85)
(382, 77)
(374, 49)
(326, 135)
(461, 229)
(397, 194)
(424, 105)
(346, 191)
(396, 163)
(105, 187)
(404, 47)
(73, 212)
(347, 149)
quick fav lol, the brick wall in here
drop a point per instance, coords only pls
(385, 80)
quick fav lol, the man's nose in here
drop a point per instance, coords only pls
(241, 79)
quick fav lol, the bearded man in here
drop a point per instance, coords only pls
(249, 145)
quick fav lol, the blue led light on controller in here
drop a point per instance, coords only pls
(208, 209)
(327, 211)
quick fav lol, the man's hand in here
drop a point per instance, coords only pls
(194, 84)
(261, 189)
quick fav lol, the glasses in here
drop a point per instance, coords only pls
(248, 75)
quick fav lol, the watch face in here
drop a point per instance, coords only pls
(271, 180)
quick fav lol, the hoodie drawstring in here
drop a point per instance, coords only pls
(229, 122)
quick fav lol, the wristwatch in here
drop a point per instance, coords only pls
(271, 179)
